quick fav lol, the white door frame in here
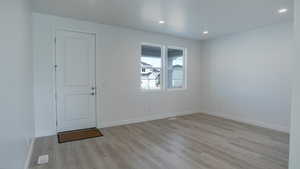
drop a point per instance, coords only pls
(55, 75)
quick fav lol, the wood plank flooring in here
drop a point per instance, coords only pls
(195, 141)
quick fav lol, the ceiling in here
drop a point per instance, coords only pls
(184, 18)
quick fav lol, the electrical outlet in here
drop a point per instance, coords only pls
(43, 159)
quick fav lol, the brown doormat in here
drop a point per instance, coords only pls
(75, 135)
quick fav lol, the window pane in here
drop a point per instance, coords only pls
(151, 64)
(176, 68)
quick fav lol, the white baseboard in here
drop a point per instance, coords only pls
(29, 154)
(46, 133)
(235, 117)
(143, 119)
(167, 115)
(128, 121)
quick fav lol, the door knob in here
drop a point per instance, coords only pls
(93, 93)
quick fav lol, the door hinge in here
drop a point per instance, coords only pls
(55, 40)
(55, 67)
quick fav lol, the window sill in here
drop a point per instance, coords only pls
(151, 90)
(176, 89)
(163, 90)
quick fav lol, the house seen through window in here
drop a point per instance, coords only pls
(152, 68)
(151, 65)
(175, 65)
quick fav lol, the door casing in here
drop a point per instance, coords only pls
(55, 105)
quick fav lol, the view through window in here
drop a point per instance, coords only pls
(152, 67)
(175, 65)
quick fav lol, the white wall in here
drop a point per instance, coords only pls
(118, 52)
(16, 98)
(246, 76)
(294, 162)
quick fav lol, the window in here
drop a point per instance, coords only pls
(151, 66)
(153, 62)
(176, 68)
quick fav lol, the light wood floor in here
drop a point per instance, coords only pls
(195, 141)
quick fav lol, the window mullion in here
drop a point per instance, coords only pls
(164, 68)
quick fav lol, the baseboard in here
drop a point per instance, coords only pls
(29, 154)
(234, 117)
(143, 119)
(128, 121)
(46, 133)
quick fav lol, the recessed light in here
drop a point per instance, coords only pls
(205, 32)
(282, 10)
(161, 22)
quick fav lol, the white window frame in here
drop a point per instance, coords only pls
(162, 86)
(184, 68)
(164, 67)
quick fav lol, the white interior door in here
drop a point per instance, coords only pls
(75, 80)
